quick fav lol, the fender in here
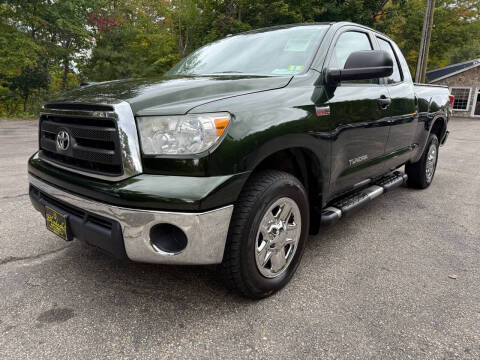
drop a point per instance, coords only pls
(317, 158)
(430, 122)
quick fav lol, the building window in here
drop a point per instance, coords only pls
(462, 98)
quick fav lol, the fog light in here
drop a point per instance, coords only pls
(168, 238)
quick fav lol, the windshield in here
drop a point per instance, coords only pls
(273, 52)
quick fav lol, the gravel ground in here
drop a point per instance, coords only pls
(400, 279)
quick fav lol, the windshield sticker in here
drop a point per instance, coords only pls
(296, 68)
(291, 69)
(297, 45)
(281, 72)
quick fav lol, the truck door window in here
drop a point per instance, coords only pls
(347, 43)
(396, 76)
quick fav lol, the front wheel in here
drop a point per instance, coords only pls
(420, 174)
(267, 234)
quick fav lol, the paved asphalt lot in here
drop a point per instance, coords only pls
(376, 285)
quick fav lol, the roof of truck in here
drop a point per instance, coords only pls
(287, 26)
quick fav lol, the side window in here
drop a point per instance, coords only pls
(396, 76)
(347, 43)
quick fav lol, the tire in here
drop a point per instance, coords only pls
(421, 173)
(245, 265)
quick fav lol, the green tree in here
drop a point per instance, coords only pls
(17, 51)
(60, 42)
(58, 26)
(468, 52)
(19, 59)
(132, 39)
(30, 79)
(456, 25)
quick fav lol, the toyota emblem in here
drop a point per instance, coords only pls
(63, 140)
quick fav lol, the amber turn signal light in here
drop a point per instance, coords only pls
(220, 125)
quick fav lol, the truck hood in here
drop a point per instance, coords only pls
(172, 95)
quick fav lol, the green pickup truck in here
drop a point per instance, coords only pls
(239, 152)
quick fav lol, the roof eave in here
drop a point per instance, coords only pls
(454, 73)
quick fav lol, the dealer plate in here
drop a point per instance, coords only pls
(57, 223)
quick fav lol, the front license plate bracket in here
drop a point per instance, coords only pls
(57, 223)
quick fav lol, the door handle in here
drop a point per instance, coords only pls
(384, 102)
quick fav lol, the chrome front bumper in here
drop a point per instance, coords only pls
(206, 232)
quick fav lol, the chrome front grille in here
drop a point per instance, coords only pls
(101, 140)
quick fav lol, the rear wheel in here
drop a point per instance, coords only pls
(267, 234)
(420, 174)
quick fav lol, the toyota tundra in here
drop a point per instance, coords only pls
(239, 152)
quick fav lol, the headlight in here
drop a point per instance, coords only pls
(183, 134)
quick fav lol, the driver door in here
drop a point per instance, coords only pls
(359, 118)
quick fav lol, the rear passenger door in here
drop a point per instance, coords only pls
(359, 125)
(402, 110)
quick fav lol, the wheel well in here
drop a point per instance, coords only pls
(439, 128)
(304, 165)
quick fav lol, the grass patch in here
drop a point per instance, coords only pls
(18, 118)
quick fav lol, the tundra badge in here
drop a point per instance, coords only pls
(358, 160)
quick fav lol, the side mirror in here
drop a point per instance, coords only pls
(362, 65)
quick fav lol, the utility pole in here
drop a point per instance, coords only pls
(425, 42)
